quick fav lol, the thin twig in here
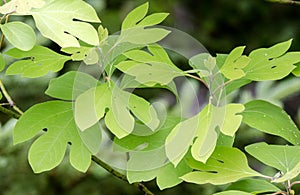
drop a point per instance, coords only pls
(9, 99)
(121, 176)
(10, 112)
(286, 1)
(197, 78)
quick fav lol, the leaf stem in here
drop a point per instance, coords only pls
(286, 1)
(121, 176)
(2, 36)
(197, 78)
(10, 113)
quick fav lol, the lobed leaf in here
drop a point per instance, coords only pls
(56, 118)
(271, 119)
(135, 16)
(19, 34)
(22, 7)
(65, 21)
(225, 165)
(41, 61)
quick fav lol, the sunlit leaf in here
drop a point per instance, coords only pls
(254, 186)
(235, 61)
(271, 119)
(153, 19)
(20, 6)
(78, 53)
(19, 34)
(135, 16)
(70, 85)
(38, 61)
(2, 62)
(296, 71)
(271, 63)
(233, 192)
(56, 118)
(225, 165)
(64, 21)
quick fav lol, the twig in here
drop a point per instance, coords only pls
(121, 176)
(10, 113)
(286, 1)
(197, 78)
(9, 99)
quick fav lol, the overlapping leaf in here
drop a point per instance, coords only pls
(56, 118)
(204, 127)
(19, 35)
(150, 69)
(225, 165)
(36, 62)
(22, 7)
(108, 99)
(271, 119)
(284, 158)
(64, 21)
(271, 63)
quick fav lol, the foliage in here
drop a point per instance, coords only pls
(89, 111)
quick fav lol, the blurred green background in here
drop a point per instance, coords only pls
(220, 25)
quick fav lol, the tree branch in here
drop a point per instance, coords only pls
(286, 1)
(121, 176)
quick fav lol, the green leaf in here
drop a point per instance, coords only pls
(92, 57)
(56, 117)
(19, 34)
(92, 138)
(78, 53)
(55, 21)
(283, 158)
(296, 71)
(225, 165)
(20, 6)
(102, 34)
(153, 19)
(235, 62)
(271, 119)
(291, 174)
(271, 63)
(2, 62)
(233, 192)
(135, 16)
(91, 106)
(42, 60)
(150, 68)
(0, 95)
(70, 85)
(254, 186)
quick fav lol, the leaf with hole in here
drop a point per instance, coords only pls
(47, 152)
(271, 119)
(225, 165)
(36, 62)
(19, 34)
(65, 21)
(271, 63)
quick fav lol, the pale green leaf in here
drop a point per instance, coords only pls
(232, 120)
(225, 165)
(102, 34)
(108, 98)
(140, 35)
(22, 7)
(92, 138)
(19, 34)
(55, 21)
(233, 192)
(235, 62)
(291, 174)
(135, 16)
(70, 85)
(197, 62)
(2, 62)
(56, 117)
(78, 53)
(92, 57)
(153, 19)
(42, 61)
(254, 186)
(271, 119)
(271, 63)
(283, 158)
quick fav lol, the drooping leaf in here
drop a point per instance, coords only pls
(91, 106)
(271, 63)
(233, 192)
(19, 34)
(70, 85)
(56, 21)
(150, 68)
(20, 6)
(2, 62)
(41, 61)
(235, 62)
(253, 186)
(225, 165)
(56, 118)
(271, 119)
(283, 158)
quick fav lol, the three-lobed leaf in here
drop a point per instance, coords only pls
(56, 118)
(41, 61)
